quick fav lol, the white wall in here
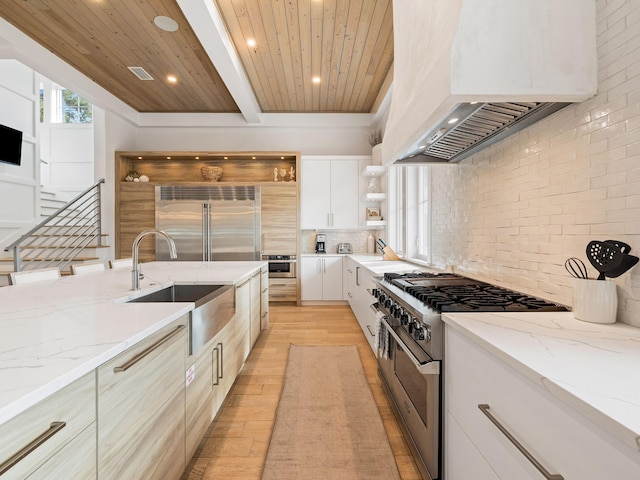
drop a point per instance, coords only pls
(19, 203)
(513, 213)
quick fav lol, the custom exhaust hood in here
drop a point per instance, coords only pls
(468, 73)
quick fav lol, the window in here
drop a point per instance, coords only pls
(410, 225)
(68, 107)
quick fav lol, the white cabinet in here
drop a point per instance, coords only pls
(563, 441)
(255, 326)
(264, 298)
(321, 277)
(329, 193)
(359, 281)
(141, 408)
(55, 435)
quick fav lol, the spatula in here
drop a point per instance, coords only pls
(604, 257)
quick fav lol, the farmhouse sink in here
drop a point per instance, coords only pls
(199, 294)
(215, 307)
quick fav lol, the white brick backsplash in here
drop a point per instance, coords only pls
(513, 213)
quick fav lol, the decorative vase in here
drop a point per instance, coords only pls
(210, 173)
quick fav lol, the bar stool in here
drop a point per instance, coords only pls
(87, 268)
(30, 276)
(121, 263)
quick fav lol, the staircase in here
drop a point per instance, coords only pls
(70, 233)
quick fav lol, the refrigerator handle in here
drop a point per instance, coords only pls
(206, 237)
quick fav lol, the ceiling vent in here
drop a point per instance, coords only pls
(141, 73)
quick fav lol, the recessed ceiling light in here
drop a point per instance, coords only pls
(453, 120)
(165, 23)
(281, 158)
(253, 158)
(139, 158)
(168, 158)
(171, 79)
(226, 158)
(197, 158)
(316, 79)
(251, 42)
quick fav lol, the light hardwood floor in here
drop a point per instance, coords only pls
(235, 446)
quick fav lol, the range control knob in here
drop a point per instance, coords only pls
(387, 303)
(397, 312)
(381, 298)
(419, 333)
(404, 318)
(375, 292)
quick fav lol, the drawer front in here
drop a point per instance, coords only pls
(74, 406)
(283, 290)
(563, 441)
(77, 460)
(141, 410)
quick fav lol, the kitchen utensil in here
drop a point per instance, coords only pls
(381, 244)
(628, 262)
(624, 247)
(576, 268)
(603, 256)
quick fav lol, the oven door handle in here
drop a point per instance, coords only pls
(431, 368)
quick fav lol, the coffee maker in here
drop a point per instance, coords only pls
(320, 243)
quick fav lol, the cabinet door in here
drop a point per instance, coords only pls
(311, 277)
(255, 308)
(76, 460)
(332, 278)
(345, 199)
(200, 394)
(141, 409)
(315, 193)
(60, 418)
(279, 213)
(264, 298)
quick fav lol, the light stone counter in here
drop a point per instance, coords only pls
(593, 368)
(53, 332)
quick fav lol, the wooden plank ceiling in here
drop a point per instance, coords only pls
(348, 44)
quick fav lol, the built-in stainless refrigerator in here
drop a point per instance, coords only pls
(217, 222)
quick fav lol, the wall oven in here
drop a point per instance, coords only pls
(281, 266)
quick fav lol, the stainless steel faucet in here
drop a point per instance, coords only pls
(136, 273)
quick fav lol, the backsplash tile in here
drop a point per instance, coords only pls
(514, 212)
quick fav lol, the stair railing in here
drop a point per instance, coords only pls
(63, 235)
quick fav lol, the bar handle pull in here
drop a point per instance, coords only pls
(484, 408)
(147, 351)
(12, 461)
(370, 331)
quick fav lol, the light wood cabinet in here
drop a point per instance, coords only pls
(358, 282)
(562, 440)
(279, 211)
(264, 298)
(321, 277)
(141, 408)
(56, 422)
(201, 404)
(256, 295)
(329, 193)
(283, 289)
(77, 459)
(135, 212)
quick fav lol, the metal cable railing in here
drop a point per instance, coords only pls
(61, 237)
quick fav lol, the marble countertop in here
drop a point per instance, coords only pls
(53, 332)
(593, 368)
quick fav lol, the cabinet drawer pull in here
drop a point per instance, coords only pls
(221, 362)
(484, 408)
(11, 462)
(372, 333)
(147, 350)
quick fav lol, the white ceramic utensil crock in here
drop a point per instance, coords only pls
(595, 301)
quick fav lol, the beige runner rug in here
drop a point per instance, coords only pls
(327, 424)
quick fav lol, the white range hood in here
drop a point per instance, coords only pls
(496, 65)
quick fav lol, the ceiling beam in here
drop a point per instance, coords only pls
(208, 26)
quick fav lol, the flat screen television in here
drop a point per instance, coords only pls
(10, 145)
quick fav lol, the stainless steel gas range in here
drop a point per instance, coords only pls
(410, 344)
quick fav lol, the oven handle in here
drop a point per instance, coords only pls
(431, 368)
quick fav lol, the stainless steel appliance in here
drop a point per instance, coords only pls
(411, 347)
(217, 222)
(281, 266)
(345, 248)
(321, 241)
